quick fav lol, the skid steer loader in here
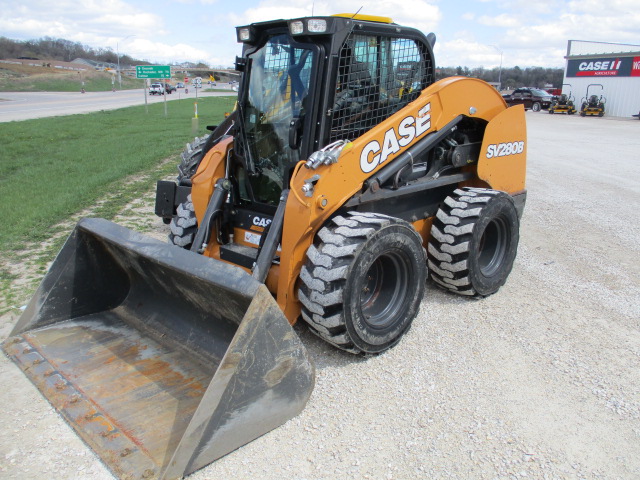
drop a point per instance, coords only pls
(344, 176)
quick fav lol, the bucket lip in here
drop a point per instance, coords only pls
(190, 263)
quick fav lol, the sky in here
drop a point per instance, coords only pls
(471, 33)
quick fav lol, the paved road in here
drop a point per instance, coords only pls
(28, 105)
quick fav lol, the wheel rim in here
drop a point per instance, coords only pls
(384, 290)
(493, 246)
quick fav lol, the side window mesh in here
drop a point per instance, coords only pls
(377, 76)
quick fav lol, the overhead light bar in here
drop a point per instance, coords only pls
(308, 25)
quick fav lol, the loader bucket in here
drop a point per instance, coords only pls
(162, 360)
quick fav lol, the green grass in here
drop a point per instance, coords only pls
(93, 84)
(221, 90)
(65, 82)
(53, 168)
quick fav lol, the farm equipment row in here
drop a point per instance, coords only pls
(591, 105)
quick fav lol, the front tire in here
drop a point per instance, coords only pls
(474, 240)
(363, 281)
(536, 107)
(183, 225)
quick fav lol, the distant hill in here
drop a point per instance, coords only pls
(49, 75)
(59, 49)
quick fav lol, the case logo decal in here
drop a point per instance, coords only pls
(409, 128)
(261, 222)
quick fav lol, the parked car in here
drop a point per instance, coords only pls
(169, 88)
(532, 98)
(156, 89)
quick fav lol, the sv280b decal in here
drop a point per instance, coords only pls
(504, 149)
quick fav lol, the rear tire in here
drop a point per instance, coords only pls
(363, 281)
(184, 225)
(474, 240)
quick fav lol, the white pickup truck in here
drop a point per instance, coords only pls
(156, 89)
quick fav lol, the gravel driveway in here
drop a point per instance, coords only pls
(541, 380)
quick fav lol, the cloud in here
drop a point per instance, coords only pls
(529, 8)
(468, 53)
(422, 14)
(536, 33)
(605, 26)
(75, 21)
(529, 33)
(502, 20)
(166, 53)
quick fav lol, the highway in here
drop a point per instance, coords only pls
(15, 106)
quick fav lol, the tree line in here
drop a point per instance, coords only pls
(65, 50)
(509, 77)
(48, 48)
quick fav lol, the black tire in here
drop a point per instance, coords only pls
(536, 107)
(551, 111)
(363, 281)
(184, 225)
(191, 158)
(474, 239)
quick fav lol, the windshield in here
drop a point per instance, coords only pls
(540, 93)
(278, 87)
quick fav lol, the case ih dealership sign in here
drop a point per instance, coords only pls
(604, 67)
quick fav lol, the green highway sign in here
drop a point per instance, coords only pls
(153, 71)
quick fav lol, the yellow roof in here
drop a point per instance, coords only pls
(366, 18)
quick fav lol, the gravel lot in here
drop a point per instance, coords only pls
(541, 380)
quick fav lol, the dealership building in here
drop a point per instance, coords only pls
(608, 69)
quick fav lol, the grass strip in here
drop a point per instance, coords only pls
(23, 79)
(51, 168)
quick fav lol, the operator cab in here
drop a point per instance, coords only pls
(309, 82)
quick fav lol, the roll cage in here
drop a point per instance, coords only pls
(302, 90)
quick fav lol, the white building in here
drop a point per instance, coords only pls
(608, 69)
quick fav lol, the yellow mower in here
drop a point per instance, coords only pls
(593, 105)
(564, 103)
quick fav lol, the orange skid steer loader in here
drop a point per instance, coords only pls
(345, 178)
